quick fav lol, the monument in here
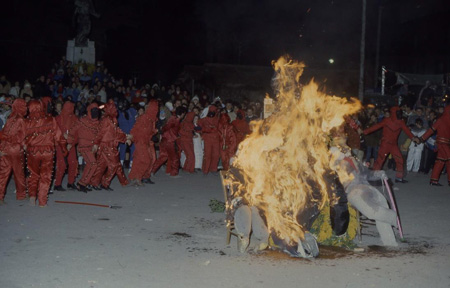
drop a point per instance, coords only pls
(81, 49)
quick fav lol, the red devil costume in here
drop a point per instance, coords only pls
(211, 138)
(12, 139)
(144, 153)
(66, 121)
(241, 127)
(442, 129)
(83, 135)
(108, 137)
(227, 140)
(392, 127)
(186, 142)
(42, 133)
(168, 151)
(47, 103)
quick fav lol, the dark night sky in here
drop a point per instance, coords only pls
(155, 39)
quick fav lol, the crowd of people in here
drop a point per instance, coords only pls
(415, 140)
(95, 124)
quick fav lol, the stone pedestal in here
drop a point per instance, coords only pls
(77, 53)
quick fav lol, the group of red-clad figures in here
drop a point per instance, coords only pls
(33, 132)
(392, 127)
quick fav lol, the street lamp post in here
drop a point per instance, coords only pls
(377, 54)
(362, 52)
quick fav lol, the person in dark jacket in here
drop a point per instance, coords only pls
(126, 119)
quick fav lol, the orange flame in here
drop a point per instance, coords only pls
(282, 163)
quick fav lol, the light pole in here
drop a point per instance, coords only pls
(362, 52)
(377, 54)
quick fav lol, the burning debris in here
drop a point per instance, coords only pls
(283, 168)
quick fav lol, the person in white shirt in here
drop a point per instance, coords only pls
(415, 150)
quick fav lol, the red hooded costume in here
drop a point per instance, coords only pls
(66, 121)
(392, 127)
(12, 139)
(47, 102)
(144, 154)
(442, 129)
(42, 135)
(241, 127)
(108, 137)
(211, 138)
(186, 142)
(227, 140)
(83, 134)
(167, 148)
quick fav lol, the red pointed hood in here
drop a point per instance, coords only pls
(68, 109)
(240, 113)
(224, 119)
(36, 109)
(19, 107)
(89, 109)
(447, 111)
(46, 101)
(212, 108)
(393, 112)
(189, 117)
(152, 110)
(111, 110)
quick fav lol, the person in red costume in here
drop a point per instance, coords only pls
(392, 127)
(227, 140)
(186, 142)
(241, 127)
(42, 135)
(144, 154)
(12, 140)
(442, 129)
(210, 134)
(83, 134)
(105, 145)
(48, 106)
(168, 151)
(66, 121)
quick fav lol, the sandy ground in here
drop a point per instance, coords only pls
(165, 236)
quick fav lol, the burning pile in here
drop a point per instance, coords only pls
(282, 167)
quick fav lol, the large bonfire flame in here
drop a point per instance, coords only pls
(282, 166)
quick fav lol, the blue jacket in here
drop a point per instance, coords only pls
(125, 124)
